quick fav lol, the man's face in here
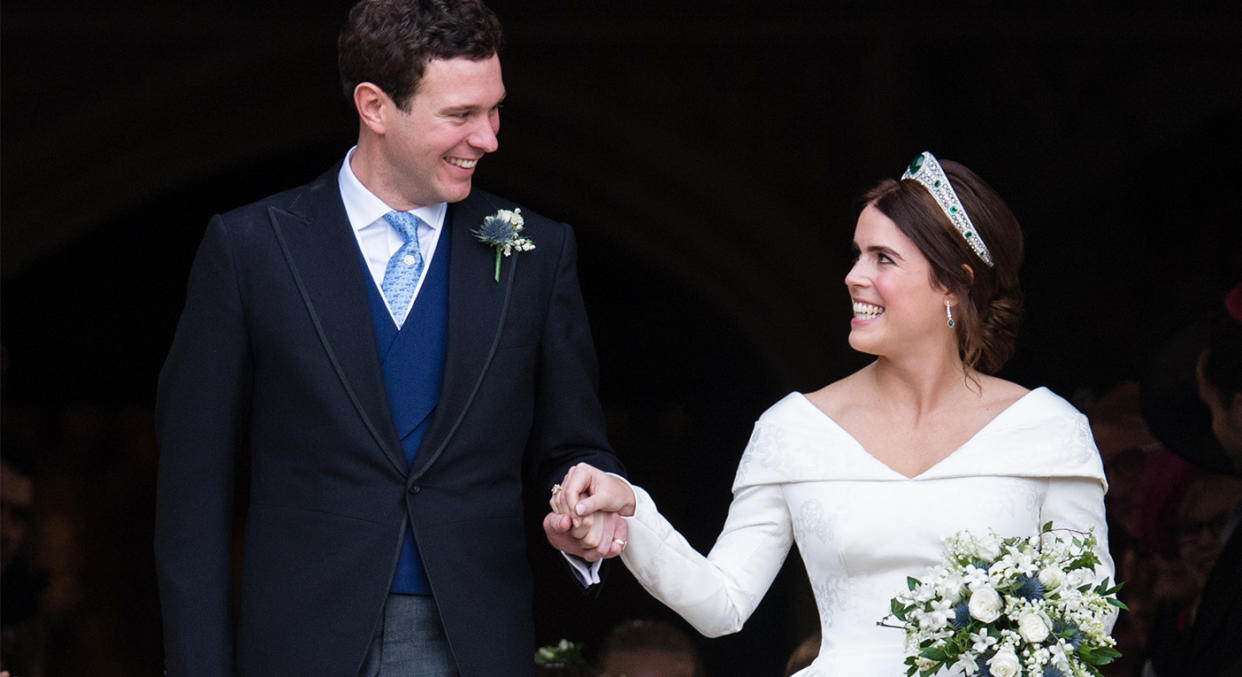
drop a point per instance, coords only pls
(1226, 416)
(16, 496)
(453, 120)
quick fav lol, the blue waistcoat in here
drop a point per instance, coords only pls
(413, 363)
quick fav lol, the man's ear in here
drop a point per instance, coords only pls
(370, 102)
(1235, 411)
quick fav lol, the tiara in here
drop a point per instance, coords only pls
(927, 171)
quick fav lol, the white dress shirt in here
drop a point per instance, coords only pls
(376, 238)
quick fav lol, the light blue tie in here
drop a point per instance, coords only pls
(405, 266)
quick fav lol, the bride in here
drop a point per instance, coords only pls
(869, 474)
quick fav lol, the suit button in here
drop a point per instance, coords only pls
(415, 489)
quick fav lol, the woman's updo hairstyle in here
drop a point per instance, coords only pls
(986, 318)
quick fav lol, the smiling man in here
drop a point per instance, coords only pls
(394, 382)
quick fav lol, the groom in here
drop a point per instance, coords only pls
(394, 382)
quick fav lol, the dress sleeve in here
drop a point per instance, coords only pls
(1078, 503)
(716, 593)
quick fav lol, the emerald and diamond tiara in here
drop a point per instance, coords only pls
(927, 171)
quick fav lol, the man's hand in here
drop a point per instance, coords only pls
(602, 536)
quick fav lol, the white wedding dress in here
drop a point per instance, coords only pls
(861, 526)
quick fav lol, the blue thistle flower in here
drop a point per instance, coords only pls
(984, 669)
(1030, 589)
(1067, 631)
(961, 615)
(1050, 671)
(501, 231)
(495, 231)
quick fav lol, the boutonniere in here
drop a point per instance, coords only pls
(501, 230)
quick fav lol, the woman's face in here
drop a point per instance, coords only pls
(896, 306)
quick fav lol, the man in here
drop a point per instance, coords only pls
(1215, 643)
(394, 380)
(23, 629)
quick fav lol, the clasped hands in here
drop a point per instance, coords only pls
(587, 510)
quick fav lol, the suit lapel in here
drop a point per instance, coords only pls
(1221, 593)
(322, 253)
(476, 314)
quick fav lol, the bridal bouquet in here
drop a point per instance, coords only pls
(1009, 607)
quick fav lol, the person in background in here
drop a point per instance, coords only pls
(23, 629)
(648, 648)
(1215, 642)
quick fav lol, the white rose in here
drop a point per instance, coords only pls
(1004, 663)
(1051, 577)
(989, 548)
(985, 604)
(1033, 627)
(1079, 577)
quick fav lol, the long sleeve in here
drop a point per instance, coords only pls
(716, 593)
(201, 410)
(568, 422)
(1078, 503)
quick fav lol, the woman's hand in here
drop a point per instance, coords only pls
(587, 490)
(586, 513)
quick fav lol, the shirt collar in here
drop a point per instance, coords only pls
(364, 208)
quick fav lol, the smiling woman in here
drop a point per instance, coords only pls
(863, 474)
(986, 299)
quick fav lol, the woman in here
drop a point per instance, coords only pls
(869, 474)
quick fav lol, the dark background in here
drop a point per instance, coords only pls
(709, 155)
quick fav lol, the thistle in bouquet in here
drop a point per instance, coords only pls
(1010, 607)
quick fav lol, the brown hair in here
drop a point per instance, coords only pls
(991, 300)
(389, 42)
(1221, 362)
(649, 636)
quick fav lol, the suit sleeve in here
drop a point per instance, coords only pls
(568, 425)
(200, 415)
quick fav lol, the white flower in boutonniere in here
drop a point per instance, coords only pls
(500, 230)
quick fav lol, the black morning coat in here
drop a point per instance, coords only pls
(275, 354)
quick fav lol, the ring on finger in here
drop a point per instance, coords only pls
(556, 489)
(620, 542)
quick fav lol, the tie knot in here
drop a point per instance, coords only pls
(405, 223)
